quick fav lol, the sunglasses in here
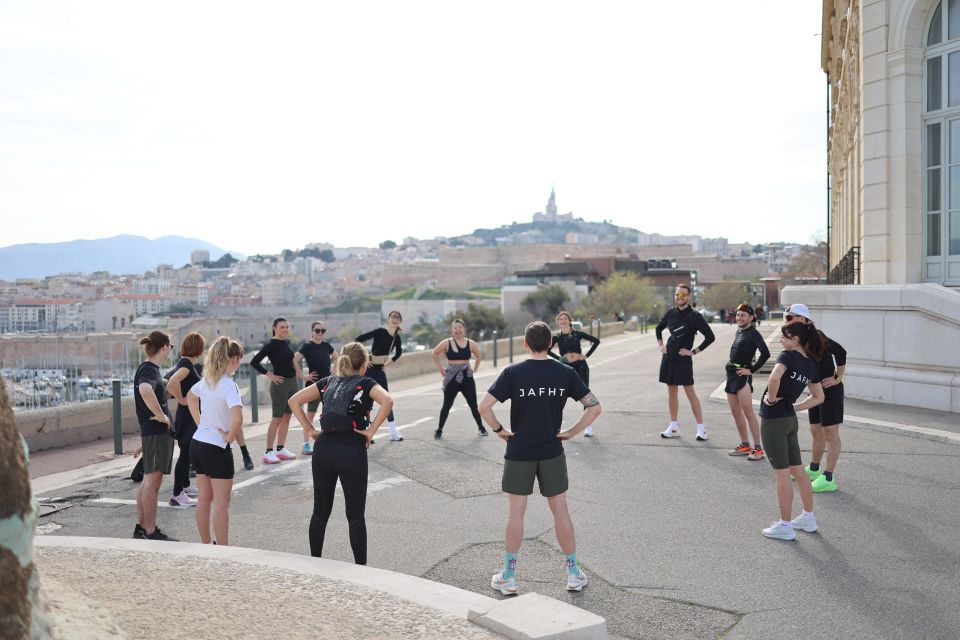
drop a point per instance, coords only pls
(789, 318)
(319, 330)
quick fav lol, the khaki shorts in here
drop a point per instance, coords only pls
(280, 393)
(551, 476)
(157, 453)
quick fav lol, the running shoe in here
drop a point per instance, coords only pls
(780, 531)
(507, 587)
(191, 491)
(702, 436)
(159, 535)
(270, 458)
(805, 523)
(284, 454)
(813, 475)
(483, 431)
(182, 500)
(670, 433)
(821, 485)
(756, 454)
(588, 433)
(193, 472)
(307, 449)
(248, 463)
(139, 532)
(396, 438)
(741, 450)
(436, 434)
(576, 582)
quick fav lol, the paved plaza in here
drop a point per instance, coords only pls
(667, 530)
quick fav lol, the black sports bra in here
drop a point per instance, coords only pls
(459, 354)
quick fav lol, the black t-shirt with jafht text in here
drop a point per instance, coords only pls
(800, 371)
(150, 373)
(537, 391)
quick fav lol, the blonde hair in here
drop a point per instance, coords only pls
(352, 358)
(218, 359)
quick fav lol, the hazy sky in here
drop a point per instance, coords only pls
(263, 126)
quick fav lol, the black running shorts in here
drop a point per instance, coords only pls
(211, 461)
(830, 413)
(735, 383)
(676, 372)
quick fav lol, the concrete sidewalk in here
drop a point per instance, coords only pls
(105, 588)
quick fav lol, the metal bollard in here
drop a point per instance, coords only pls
(599, 326)
(494, 349)
(254, 403)
(117, 432)
(510, 343)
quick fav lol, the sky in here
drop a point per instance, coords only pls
(259, 127)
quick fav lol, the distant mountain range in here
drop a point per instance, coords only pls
(117, 255)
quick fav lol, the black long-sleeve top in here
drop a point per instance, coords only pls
(570, 343)
(683, 325)
(746, 343)
(383, 342)
(280, 354)
(832, 352)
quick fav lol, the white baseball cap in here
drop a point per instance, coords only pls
(799, 310)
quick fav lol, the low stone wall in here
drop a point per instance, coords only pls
(900, 340)
(72, 424)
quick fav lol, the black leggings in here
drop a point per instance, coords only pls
(580, 366)
(469, 390)
(349, 463)
(181, 472)
(377, 373)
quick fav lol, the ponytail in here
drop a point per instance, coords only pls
(810, 338)
(218, 359)
(154, 342)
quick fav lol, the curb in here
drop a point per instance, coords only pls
(870, 424)
(528, 616)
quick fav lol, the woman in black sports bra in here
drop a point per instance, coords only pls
(385, 340)
(567, 340)
(458, 375)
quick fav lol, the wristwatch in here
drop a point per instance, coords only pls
(498, 430)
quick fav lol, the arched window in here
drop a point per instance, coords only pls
(941, 145)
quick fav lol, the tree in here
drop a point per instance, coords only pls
(623, 292)
(810, 261)
(481, 321)
(348, 333)
(388, 244)
(725, 295)
(423, 332)
(545, 303)
(326, 255)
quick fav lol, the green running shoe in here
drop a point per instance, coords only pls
(813, 475)
(821, 484)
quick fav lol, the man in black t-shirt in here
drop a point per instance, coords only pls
(538, 389)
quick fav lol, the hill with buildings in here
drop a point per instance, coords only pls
(124, 254)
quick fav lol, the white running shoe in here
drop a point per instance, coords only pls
(670, 433)
(507, 587)
(577, 582)
(182, 500)
(780, 531)
(192, 491)
(805, 522)
(270, 458)
(284, 454)
(589, 432)
(702, 435)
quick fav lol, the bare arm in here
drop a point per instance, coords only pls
(591, 411)
(379, 395)
(477, 356)
(437, 352)
(150, 399)
(486, 412)
(296, 402)
(236, 423)
(773, 384)
(173, 386)
(815, 397)
(193, 403)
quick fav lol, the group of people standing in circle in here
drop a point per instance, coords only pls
(809, 361)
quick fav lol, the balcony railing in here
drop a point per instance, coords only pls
(847, 271)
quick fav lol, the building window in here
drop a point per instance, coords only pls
(941, 141)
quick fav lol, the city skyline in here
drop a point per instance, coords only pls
(119, 119)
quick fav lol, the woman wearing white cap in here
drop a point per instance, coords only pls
(825, 419)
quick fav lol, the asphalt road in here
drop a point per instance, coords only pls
(667, 530)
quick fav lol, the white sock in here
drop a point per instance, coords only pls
(393, 428)
(701, 428)
(808, 514)
(786, 523)
(673, 425)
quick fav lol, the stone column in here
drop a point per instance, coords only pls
(20, 615)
